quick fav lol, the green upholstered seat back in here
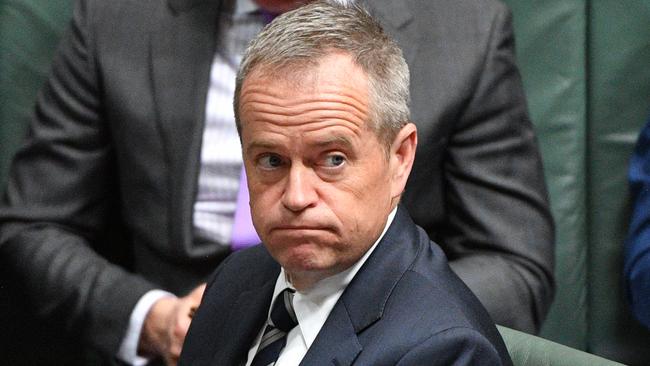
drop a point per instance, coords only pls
(529, 350)
(29, 33)
(550, 43)
(586, 71)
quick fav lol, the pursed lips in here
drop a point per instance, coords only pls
(299, 227)
(304, 228)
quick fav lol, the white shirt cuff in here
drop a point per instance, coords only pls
(128, 351)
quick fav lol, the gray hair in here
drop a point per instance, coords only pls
(301, 37)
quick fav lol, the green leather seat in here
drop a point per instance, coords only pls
(529, 350)
(29, 33)
(586, 74)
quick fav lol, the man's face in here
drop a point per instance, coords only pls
(321, 184)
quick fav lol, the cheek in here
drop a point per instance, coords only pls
(263, 201)
(367, 188)
(357, 207)
(362, 203)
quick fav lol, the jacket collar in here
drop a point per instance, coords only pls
(244, 323)
(365, 298)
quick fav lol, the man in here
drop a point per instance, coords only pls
(123, 142)
(322, 109)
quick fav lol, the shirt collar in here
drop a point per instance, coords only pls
(314, 306)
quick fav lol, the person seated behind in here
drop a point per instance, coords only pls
(128, 181)
(321, 106)
(637, 246)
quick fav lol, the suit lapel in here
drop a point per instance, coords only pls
(398, 21)
(364, 300)
(244, 322)
(182, 50)
(336, 343)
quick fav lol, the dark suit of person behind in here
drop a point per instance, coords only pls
(321, 106)
(115, 142)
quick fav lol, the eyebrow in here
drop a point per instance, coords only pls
(334, 140)
(263, 145)
(321, 143)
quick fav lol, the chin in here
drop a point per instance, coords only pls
(301, 255)
(300, 258)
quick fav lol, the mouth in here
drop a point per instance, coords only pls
(300, 228)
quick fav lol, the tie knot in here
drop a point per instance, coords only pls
(283, 316)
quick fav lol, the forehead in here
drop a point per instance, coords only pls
(329, 92)
(334, 72)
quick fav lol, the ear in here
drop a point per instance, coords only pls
(402, 154)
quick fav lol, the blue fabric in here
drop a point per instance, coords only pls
(637, 247)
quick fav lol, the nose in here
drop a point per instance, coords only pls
(300, 191)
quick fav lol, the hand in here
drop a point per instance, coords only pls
(166, 325)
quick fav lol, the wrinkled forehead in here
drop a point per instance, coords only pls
(298, 75)
(331, 87)
(334, 70)
(303, 67)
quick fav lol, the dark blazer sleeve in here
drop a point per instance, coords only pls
(455, 346)
(59, 198)
(637, 246)
(499, 232)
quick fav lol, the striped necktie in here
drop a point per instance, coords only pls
(283, 319)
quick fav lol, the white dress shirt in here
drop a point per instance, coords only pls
(312, 308)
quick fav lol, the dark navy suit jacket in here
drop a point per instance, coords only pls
(404, 307)
(637, 247)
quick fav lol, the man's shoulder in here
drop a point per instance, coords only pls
(430, 306)
(439, 298)
(433, 303)
(249, 267)
(427, 297)
(414, 274)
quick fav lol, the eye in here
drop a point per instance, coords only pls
(270, 161)
(334, 160)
